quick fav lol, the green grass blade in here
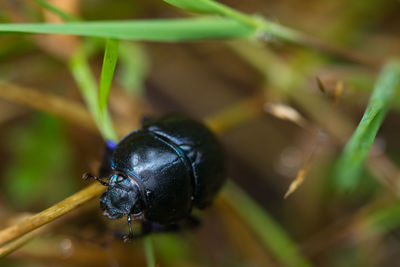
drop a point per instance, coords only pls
(270, 233)
(349, 166)
(83, 76)
(215, 8)
(80, 69)
(107, 72)
(163, 30)
(149, 251)
(172, 249)
(198, 6)
(55, 10)
(263, 26)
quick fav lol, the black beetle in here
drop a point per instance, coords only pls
(159, 173)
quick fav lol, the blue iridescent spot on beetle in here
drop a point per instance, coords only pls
(113, 178)
(111, 144)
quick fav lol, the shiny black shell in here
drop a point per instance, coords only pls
(177, 163)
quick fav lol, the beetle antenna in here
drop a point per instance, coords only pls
(87, 176)
(129, 237)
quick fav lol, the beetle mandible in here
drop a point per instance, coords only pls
(159, 173)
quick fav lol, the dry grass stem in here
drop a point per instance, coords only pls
(285, 112)
(58, 106)
(235, 114)
(342, 53)
(19, 242)
(296, 182)
(301, 175)
(320, 85)
(337, 92)
(241, 235)
(50, 214)
(385, 171)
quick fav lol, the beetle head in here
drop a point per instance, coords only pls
(122, 197)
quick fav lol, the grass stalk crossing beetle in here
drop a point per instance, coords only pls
(159, 173)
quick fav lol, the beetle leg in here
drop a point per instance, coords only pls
(88, 176)
(129, 237)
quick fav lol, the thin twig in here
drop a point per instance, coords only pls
(341, 52)
(234, 115)
(19, 242)
(50, 214)
(302, 173)
(49, 103)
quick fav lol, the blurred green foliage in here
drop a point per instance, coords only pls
(173, 249)
(42, 163)
(133, 67)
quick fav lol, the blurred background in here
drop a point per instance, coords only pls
(47, 139)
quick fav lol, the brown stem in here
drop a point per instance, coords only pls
(50, 214)
(19, 242)
(49, 103)
(234, 115)
(341, 52)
